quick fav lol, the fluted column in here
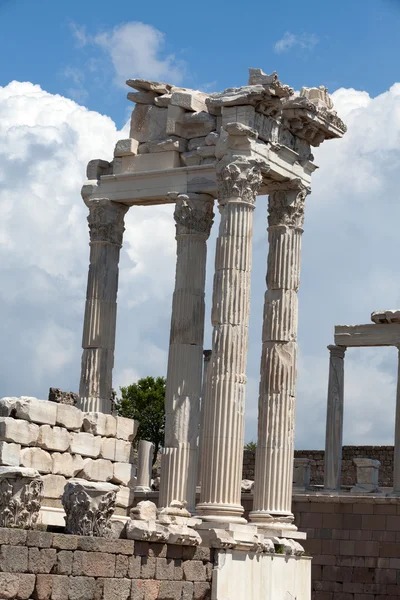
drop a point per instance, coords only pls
(206, 364)
(221, 466)
(194, 217)
(106, 227)
(277, 394)
(334, 419)
(396, 466)
(144, 466)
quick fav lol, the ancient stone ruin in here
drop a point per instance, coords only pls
(190, 149)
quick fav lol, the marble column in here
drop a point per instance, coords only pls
(106, 227)
(396, 450)
(221, 466)
(206, 364)
(277, 393)
(145, 464)
(334, 419)
(194, 217)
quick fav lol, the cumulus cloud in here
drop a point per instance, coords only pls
(350, 266)
(306, 41)
(135, 49)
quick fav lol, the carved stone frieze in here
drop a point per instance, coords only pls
(193, 214)
(89, 507)
(286, 207)
(106, 221)
(21, 494)
(239, 179)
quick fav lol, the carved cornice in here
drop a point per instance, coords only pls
(286, 207)
(239, 179)
(337, 351)
(193, 214)
(106, 221)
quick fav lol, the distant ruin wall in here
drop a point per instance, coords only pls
(382, 453)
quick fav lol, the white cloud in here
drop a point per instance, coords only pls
(350, 266)
(306, 41)
(135, 49)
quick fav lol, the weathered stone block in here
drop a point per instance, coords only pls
(53, 486)
(39, 539)
(85, 444)
(135, 563)
(93, 564)
(14, 559)
(126, 147)
(36, 458)
(64, 562)
(125, 497)
(123, 451)
(121, 565)
(7, 406)
(9, 454)
(53, 438)
(192, 101)
(41, 560)
(187, 590)
(165, 568)
(126, 429)
(94, 423)
(170, 590)
(148, 568)
(194, 570)
(81, 588)
(116, 589)
(148, 122)
(9, 585)
(124, 473)
(20, 432)
(62, 541)
(68, 465)
(36, 411)
(201, 591)
(107, 449)
(97, 470)
(152, 162)
(26, 586)
(69, 417)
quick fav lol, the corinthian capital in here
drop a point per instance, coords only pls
(238, 179)
(286, 207)
(106, 221)
(193, 213)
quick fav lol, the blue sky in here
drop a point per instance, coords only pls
(345, 44)
(67, 105)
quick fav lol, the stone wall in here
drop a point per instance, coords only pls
(61, 442)
(355, 545)
(348, 478)
(48, 566)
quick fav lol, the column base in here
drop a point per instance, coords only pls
(277, 520)
(220, 513)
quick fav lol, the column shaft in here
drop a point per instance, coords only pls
(106, 226)
(277, 396)
(396, 466)
(334, 419)
(206, 364)
(193, 215)
(223, 434)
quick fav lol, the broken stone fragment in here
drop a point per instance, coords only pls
(57, 395)
(142, 97)
(97, 167)
(88, 507)
(22, 494)
(191, 159)
(386, 316)
(163, 101)
(247, 485)
(258, 77)
(206, 151)
(149, 86)
(126, 147)
(198, 124)
(212, 138)
(240, 129)
(196, 143)
(193, 101)
(171, 143)
(318, 95)
(144, 511)
(250, 94)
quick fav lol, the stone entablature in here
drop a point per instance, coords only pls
(62, 442)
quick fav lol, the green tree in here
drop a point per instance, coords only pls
(250, 446)
(144, 402)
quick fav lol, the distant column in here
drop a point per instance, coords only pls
(238, 183)
(194, 217)
(396, 466)
(334, 419)
(144, 469)
(106, 227)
